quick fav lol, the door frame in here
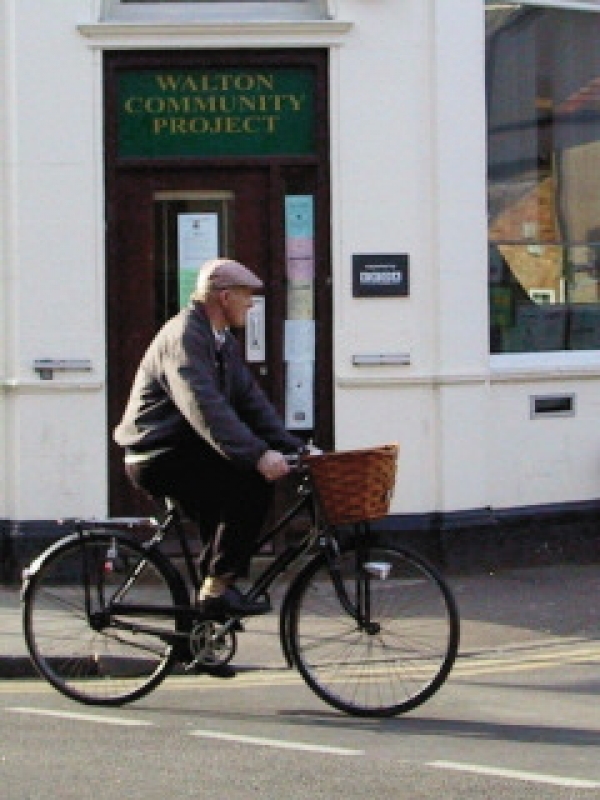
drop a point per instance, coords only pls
(277, 168)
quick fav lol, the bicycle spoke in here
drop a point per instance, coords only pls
(63, 601)
(398, 657)
(98, 659)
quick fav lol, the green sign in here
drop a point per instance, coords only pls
(216, 112)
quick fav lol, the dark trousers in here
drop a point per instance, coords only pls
(228, 504)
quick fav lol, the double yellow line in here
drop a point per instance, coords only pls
(547, 655)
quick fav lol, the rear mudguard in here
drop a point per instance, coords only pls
(175, 580)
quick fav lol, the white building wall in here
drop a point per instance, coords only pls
(412, 166)
(55, 430)
(4, 239)
(408, 175)
(543, 460)
(382, 196)
(462, 417)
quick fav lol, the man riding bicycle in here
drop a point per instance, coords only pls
(198, 428)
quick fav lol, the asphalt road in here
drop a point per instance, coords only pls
(517, 724)
(517, 719)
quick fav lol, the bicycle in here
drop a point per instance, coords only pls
(372, 628)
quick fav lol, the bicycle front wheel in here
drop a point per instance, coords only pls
(76, 642)
(373, 631)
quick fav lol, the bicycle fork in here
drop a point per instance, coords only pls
(364, 571)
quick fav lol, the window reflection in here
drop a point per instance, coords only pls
(543, 102)
(157, 2)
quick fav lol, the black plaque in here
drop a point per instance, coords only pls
(380, 275)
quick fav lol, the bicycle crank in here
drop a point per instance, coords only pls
(211, 644)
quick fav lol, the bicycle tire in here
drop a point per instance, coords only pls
(411, 644)
(103, 664)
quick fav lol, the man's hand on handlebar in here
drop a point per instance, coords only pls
(272, 465)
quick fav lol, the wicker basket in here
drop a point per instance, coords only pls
(354, 485)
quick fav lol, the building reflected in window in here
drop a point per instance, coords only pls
(543, 106)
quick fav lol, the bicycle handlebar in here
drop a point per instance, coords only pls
(296, 460)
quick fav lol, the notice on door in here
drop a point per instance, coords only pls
(299, 329)
(198, 241)
(299, 390)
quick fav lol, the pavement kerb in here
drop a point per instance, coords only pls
(499, 610)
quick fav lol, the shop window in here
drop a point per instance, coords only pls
(543, 113)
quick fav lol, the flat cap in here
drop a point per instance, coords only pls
(224, 273)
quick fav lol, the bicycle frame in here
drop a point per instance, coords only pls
(172, 525)
(184, 612)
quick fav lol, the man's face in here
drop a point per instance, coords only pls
(235, 303)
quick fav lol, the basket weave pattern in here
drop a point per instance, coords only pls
(354, 485)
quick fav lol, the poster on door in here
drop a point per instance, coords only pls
(300, 256)
(299, 329)
(198, 241)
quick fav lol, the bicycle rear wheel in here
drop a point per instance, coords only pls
(391, 648)
(99, 658)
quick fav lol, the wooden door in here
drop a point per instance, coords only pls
(137, 302)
